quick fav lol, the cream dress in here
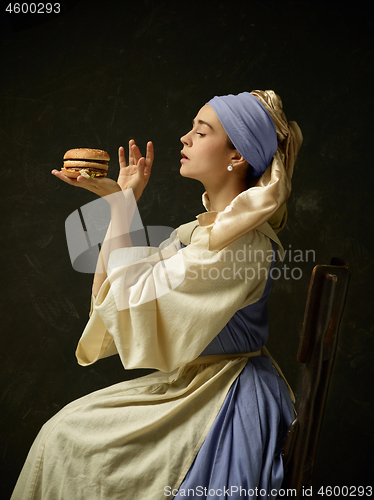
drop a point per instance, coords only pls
(159, 308)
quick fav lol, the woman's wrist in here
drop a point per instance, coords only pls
(122, 207)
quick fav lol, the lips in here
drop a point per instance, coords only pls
(184, 157)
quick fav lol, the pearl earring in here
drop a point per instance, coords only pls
(229, 168)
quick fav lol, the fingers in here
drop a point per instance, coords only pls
(150, 152)
(63, 177)
(144, 166)
(149, 159)
(101, 186)
(135, 156)
(136, 153)
(131, 154)
(121, 157)
(80, 181)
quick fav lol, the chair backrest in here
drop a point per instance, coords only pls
(324, 308)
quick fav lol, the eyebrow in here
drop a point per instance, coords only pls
(202, 122)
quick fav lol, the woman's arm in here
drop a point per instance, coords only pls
(162, 313)
(122, 208)
(122, 197)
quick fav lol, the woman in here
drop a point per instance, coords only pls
(211, 421)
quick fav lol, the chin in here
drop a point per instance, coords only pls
(188, 173)
(184, 172)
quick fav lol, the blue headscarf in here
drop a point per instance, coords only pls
(249, 127)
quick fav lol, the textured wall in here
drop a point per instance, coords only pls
(103, 72)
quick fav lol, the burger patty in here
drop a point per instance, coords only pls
(104, 162)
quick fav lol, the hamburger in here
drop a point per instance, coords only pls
(85, 161)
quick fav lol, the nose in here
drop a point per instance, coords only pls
(185, 139)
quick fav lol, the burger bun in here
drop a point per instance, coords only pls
(94, 162)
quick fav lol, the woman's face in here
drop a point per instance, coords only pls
(206, 154)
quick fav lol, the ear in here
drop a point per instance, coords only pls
(238, 161)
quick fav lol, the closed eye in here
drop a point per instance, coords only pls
(199, 133)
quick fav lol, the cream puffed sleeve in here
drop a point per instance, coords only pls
(160, 307)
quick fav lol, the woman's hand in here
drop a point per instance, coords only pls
(136, 175)
(101, 187)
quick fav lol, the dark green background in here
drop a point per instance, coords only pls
(101, 73)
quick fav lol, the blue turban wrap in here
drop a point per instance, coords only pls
(249, 127)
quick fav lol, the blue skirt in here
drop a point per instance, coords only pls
(241, 456)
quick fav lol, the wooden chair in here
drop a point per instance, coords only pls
(324, 308)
